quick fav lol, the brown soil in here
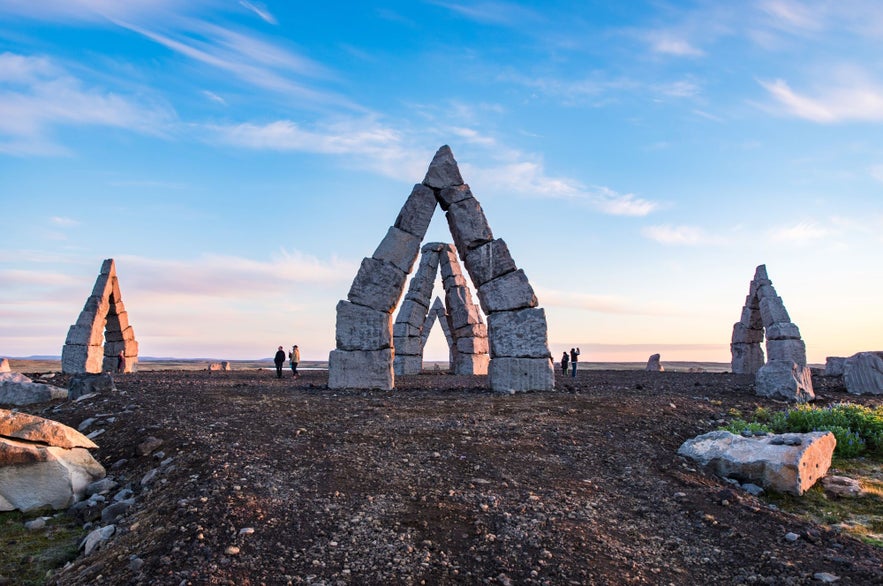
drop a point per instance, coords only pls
(440, 482)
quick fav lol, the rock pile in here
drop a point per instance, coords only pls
(103, 321)
(785, 375)
(464, 326)
(516, 327)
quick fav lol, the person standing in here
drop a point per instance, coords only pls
(574, 356)
(294, 358)
(565, 359)
(279, 359)
(121, 361)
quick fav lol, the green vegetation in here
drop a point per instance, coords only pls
(27, 555)
(858, 429)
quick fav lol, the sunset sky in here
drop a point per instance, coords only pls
(239, 158)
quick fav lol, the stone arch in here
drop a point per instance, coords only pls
(517, 332)
(102, 330)
(784, 373)
(464, 326)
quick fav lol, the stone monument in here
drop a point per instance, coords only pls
(102, 330)
(516, 327)
(785, 374)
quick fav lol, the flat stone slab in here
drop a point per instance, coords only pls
(791, 463)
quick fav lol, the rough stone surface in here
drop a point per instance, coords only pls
(451, 195)
(653, 364)
(443, 170)
(476, 364)
(461, 310)
(362, 328)
(399, 248)
(772, 311)
(747, 358)
(4, 365)
(507, 293)
(378, 285)
(863, 373)
(790, 349)
(783, 331)
(789, 463)
(785, 380)
(745, 335)
(508, 375)
(417, 212)
(409, 345)
(403, 364)
(469, 227)
(83, 384)
(17, 389)
(78, 358)
(31, 428)
(473, 346)
(519, 334)
(842, 487)
(489, 261)
(361, 370)
(412, 312)
(834, 365)
(219, 367)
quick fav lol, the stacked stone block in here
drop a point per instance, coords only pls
(785, 374)
(469, 337)
(408, 328)
(102, 330)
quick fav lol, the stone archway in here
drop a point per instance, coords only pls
(102, 330)
(784, 374)
(517, 332)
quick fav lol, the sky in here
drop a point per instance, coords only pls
(238, 159)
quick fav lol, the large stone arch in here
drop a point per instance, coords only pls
(102, 330)
(464, 326)
(784, 374)
(517, 332)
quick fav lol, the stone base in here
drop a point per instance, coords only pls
(521, 374)
(361, 369)
(406, 364)
(471, 364)
(747, 358)
(786, 380)
(76, 359)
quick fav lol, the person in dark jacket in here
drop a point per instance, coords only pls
(279, 359)
(565, 360)
(574, 357)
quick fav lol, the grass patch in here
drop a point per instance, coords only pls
(27, 555)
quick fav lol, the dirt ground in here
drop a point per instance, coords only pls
(439, 482)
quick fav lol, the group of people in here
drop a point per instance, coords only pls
(572, 359)
(293, 358)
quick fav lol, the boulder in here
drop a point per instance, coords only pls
(789, 463)
(653, 364)
(84, 384)
(842, 487)
(361, 369)
(834, 365)
(4, 365)
(17, 389)
(521, 333)
(785, 380)
(863, 373)
(443, 170)
(362, 328)
(219, 366)
(513, 375)
(43, 463)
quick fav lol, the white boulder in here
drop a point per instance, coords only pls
(17, 389)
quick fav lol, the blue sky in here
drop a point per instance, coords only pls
(238, 159)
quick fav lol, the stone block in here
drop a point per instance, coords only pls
(443, 170)
(521, 333)
(103, 286)
(85, 335)
(863, 373)
(4, 365)
(402, 330)
(471, 364)
(793, 350)
(76, 358)
(362, 328)
(653, 364)
(460, 309)
(765, 291)
(416, 214)
(473, 346)
(361, 369)
(119, 336)
(790, 463)
(399, 248)
(489, 261)
(403, 364)
(751, 318)
(747, 358)
(454, 281)
(422, 283)
(117, 322)
(746, 335)
(95, 308)
(507, 293)
(378, 285)
(411, 345)
(834, 365)
(448, 264)
(411, 312)
(772, 311)
(128, 347)
(470, 331)
(468, 225)
(784, 380)
(451, 195)
(509, 375)
(783, 331)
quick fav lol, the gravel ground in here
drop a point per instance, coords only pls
(266, 481)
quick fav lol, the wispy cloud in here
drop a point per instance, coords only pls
(800, 233)
(671, 43)
(214, 97)
(259, 9)
(607, 304)
(861, 100)
(494, 13)
(61, 221)
(39, 95)
(679, 235)
(789, 14)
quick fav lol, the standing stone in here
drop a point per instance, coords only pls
(4, 365)
(653, 364)
(515, 375)
(834, 365)
(519, 334)
(399, 248)
(785, 380)
(361, 369)
(362, 328)
(468, 225)
(863, 373)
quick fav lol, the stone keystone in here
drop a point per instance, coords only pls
(443, 170)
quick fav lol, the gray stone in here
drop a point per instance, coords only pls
(519, 334)
(842, 487)
(97, 538)
(451, 195)
(411, 345)
(489, 261)
(362, 328)
(863, 373)
(35, 429)
(403, 364)
(471, 364)
(783, 331)
(114, 511)
(149, 444)
(747, 358)
(472, 346)
(85, 383)
(507, 293)
(102, 486)
(789, 349)
(443, 170)
(417, 212)
(399, 248)
(745, 335)
(772, 311)
(361, 370)
(91, 335)
(468, 225)
(378, 285)
(783, 466)
(509, 375)
(785, 380)
(653, 364)
(17, 389)
(411, 312)
(751, 318)
(76, 358)
(402, 330)
(460, 309)
(834, 365)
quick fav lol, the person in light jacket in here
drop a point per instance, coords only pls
(294, 358)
